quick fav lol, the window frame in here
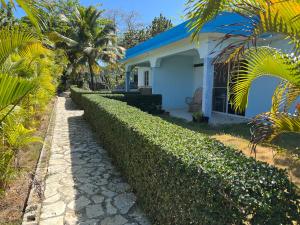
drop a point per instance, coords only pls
(146, 78)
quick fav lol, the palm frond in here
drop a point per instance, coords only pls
(32, 10)
(15, 40)
(13, 89)
(17, 136)
(284, 96)
(258, 62)
(266, 126)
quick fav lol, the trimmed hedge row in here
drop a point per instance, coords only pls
(182, 177)
(147, 103)
(76, 94)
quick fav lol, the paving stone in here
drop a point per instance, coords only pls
(110, 209)
(98, 198)
(115, 220)
(52, 210)
(94, 211)
(124, 202)
(82, 185)
(52, 199)
(79, 203)
(53, 221)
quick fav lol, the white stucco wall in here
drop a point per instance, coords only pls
(174, 79)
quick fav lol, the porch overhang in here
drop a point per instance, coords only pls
(182, 31)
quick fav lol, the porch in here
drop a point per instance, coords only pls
(216, 118)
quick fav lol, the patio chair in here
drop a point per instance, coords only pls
(195, 102)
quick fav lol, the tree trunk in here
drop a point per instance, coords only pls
(92, 75)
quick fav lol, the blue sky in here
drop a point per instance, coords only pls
(147, 9)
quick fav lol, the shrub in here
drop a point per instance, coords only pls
(76, 94)
(147, 103)
(182, 177)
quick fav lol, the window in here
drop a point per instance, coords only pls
(146, 78)
(221, 102)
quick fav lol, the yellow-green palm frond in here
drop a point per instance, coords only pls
(258, 62)
(266, 126)
(34, 50)
(284, 96)
(280, 17)
(14, 40)
(13, 89)
(17, 136)
(201, 11)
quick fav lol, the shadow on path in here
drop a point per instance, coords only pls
(83, 187)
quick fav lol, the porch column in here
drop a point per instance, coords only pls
(152, 71)
(154, 67)
(208, 82)
(127, 78)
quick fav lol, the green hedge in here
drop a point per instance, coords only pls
(182, 177)
(76, 94)
(147, 103)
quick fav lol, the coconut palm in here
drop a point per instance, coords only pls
(93, 40)
(267, 16)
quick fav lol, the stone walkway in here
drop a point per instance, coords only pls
(82, 185)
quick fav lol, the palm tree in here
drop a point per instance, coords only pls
(93, 40)
(15, 41)
(32, 9)
(267, 16)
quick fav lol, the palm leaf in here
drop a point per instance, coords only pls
(284, 96)
(31, 8)
(13, 89)
(258, 62)
(266, 126)
(14, 40)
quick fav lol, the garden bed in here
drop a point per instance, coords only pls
(13, 202)
(184, 177)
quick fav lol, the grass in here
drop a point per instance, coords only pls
(283, 152)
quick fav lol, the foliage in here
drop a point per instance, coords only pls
(92, 41)
(132, 38)
(266, 16)
(136, 35)
(6, 16)
(28, 77)
(6, 169)
(193, 179)
(147, 103)
(159, 25)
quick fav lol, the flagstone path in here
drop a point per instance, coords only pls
(82, 186)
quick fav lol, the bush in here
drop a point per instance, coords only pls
(76, 94)
(147, 103)
(182, 177)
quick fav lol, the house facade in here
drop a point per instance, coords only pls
(172, 65)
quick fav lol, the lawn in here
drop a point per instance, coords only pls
(283, 152)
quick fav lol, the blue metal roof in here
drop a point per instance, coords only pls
(223, 23)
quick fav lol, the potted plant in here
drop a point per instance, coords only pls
(199, 117)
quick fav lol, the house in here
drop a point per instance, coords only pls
(172, 65)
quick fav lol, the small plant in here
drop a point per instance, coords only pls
(199, 117)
